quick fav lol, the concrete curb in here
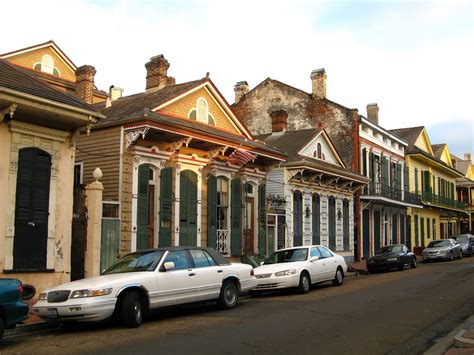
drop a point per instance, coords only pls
(444, 343)
(460, 341)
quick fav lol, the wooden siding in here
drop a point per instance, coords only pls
(275, 182)
(183, 106)
(101, 149)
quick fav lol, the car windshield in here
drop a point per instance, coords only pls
(390, 249)
(439, 243)
(286, 256)
(461, 238)
(140, 261)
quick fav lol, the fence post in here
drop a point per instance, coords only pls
(94, 225)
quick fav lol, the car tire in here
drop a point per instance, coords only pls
(2, 327)
(305, 283)
(132, 310)
(338, 278)
(451, 257)
(413, 263)
(229, 295)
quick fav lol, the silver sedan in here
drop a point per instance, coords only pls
(446, 249)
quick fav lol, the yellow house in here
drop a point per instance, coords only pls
(465, 190)
(433, 177)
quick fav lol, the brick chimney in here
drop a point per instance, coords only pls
(373, 113)
(467, 156)
(240, 89)
(279, 121)
(318, 79)
(157, 73)
(85, 83)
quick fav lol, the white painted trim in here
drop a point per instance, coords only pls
(381, 130)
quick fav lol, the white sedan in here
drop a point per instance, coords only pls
(300, 267)
(146, 280)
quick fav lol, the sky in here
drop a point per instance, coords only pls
(413, 58)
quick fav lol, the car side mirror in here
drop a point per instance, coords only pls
(169, 265)
(261, 263)
(314, 258)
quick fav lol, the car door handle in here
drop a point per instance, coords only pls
(192, 274)
(31, 224)
(219, 271)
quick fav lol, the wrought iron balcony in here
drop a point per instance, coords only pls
(392, 193)
(428, 197)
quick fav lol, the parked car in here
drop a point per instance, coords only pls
(395, 256)
(146, 280)
(447, 249)
(299, 267)
(12, 308)
(466, 241)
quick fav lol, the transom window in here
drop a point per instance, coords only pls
(201, 112)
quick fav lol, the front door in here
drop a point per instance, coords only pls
(32, 209)
(143, 206)
(188, 208)
(166, 199)
(249, 225)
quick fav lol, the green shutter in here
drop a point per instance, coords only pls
(371, 167)
(142, 206)
(235, 216)
(166, 197)
(262, 230)
(426, 181)
(406, 177)
(212, 212)
(384, 171)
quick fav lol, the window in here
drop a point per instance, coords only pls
(325, 253)
(222, 202)
(78, 173)
(179, 258)
(201, 112)
(47, 65)
(201, 258)
(314, 252)
(319, 151)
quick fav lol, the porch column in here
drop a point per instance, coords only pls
(94, 225)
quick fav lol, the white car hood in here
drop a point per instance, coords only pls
(272, 268)
(104, 281)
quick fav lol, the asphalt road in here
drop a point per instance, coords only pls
(390, 313)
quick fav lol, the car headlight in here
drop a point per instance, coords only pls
(43, 296)
(91, 293)
(286, 272)
(392, 259)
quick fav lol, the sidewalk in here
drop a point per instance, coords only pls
(459, 342)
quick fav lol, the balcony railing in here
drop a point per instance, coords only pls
(391, 192)
(429, 197)
(223, 241)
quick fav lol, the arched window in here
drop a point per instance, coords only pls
(319, 153)
(201, 112)
(47, 65)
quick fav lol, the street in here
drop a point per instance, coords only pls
(387, 313)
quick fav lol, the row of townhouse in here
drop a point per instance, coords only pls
(180, 166)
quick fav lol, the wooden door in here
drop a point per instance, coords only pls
(332, 223)
(143, 206)
(188, 208)
(32, 209)
(151, 217)
(166, 198)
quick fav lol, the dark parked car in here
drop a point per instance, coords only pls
(466, 241)
(395, 256)
(12, 308)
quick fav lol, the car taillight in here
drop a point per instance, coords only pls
(252, 273)
(20, 288)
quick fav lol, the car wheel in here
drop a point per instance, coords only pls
(413, 263)
(338, 278)
(229, 295)
(451, 257)
(132, 310)
(2, 328)
(305, 283)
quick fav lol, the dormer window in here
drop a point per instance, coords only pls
(201, 112)
(47, 65)
(318, 154)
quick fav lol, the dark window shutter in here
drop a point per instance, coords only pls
(406, 177)
(385, 171)
(212, 212)
(262, 213)
(297, 218)
(316, 219)
(166, 198)
(235, 216)
(364, 162)
(371, 167)
(142, 206)
(416, 181)
(345, 223)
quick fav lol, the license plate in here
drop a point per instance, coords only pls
(52, 313)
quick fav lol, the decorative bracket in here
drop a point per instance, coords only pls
(332, 180)
(74, 134)
(348, 183)
(175, 146)
(292, 173)
(132, 136)
(8, 110)
(211, 154)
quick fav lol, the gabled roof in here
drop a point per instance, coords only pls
(49, 43)
(438, 149)
(292, 142)
(14, 78)
(410, 134)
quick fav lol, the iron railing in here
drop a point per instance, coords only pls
(223, 241)
(391, 192)
(429, 197)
